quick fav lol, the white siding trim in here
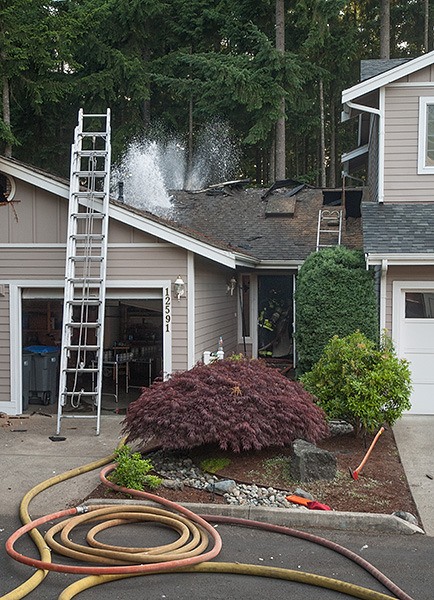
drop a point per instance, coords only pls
(422, 168)
(44, 182)
(383, 295)
(400, 259)
(191, 309)
(381, 140)
(388, 77)
(254, 313)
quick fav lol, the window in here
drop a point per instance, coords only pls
(426, 136)
(419, 305)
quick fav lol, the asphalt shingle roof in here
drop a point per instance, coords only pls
(241, 220)
(398, 228)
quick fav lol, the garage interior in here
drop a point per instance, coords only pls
(133, 352)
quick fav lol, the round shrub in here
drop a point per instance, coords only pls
(335, 295)
(236, 404)
(359, 382)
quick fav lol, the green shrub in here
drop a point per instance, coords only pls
(132, 471)
(335, 295)
(359, 382)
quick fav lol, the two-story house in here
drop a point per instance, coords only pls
(395, 107)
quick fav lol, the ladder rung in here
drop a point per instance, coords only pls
(99, 195)
(86, 258)
(82, 347)
(91, 153)
(78, 394)
(93, 133)
(85, 280)
(83, 370)
(90, 173)
(88, 324)
(84, 302)
(88, 215)
(87, 236)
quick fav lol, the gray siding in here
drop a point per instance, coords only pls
(401, 180)
(215, 309)
(35, 217)
(42, 225)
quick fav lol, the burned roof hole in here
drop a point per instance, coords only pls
(352, 199)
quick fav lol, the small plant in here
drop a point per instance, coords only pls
(214, 465)
(132, 471)
(359, 382)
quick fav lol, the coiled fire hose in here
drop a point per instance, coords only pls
(36, 579)
(175, 557)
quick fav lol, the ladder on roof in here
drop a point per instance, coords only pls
(329, 230)
(81, 361)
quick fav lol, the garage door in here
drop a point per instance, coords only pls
(416, 344)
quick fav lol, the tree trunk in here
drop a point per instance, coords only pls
(385, 29)
(280, 125)
(322, 148)
(426, 26)
(7, 112)
(332, 172)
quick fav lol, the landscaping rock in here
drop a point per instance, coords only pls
(309, 463)
(406, 516)
(225, 486)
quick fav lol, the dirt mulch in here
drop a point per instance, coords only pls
(381, 488)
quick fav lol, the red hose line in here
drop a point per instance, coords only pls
(361, 562)
(113, 570)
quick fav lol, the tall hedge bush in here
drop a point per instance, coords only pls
(335, 295)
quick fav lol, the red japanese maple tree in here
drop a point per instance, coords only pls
(236, 404)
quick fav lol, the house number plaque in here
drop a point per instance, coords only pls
(167, 309)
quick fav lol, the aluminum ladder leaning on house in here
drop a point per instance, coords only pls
(329, 230)
(81, 362)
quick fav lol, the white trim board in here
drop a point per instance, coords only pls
(387, 77)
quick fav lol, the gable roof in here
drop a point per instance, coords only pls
(386, 77)
(237, 227)
(400, 229)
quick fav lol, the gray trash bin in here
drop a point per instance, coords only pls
(44, 374)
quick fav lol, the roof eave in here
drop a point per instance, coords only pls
(378, 81)
(396, 259)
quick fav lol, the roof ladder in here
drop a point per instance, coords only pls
(329, 231)
(81, 359)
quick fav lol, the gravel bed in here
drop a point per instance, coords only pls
(177, 472)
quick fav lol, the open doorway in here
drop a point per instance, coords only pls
(275, 316)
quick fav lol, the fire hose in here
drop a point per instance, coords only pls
(184, 555)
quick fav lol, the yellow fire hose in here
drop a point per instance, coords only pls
(120, 562)
(36, 579)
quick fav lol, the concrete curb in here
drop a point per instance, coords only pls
(295, 517)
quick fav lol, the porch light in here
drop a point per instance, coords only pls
(230, 287)
(179, 287)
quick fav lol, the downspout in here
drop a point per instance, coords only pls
(383, 294)
(380, 280)
(380, 113)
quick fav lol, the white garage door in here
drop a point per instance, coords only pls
(416, 344)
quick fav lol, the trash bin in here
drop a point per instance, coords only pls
(44, 374)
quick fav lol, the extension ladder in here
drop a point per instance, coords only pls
(329, 230)
(81, 362)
